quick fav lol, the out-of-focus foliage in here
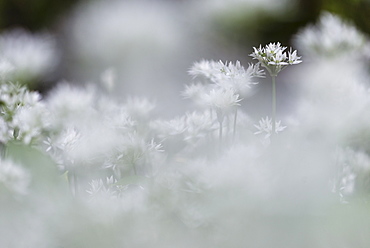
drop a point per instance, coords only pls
(32, 14)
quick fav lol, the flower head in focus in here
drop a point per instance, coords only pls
(275, 58)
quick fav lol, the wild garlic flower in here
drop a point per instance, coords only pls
(24, 115)
(99, 190)
(174, 127)
(265, 127)
(222, 100)
(236, 77)
(30, 122)
(331, 37)
(195, 93)
(205, 69)
(227, 75)
(32, 55)
(6, 69)
(274, 57)
(198, 126)
(134, 156)
(68, 103)
(139, 108)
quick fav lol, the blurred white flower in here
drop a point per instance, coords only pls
(172, 127)
(226, 75)
(134, 156)
(100, 191)
(198, 126)
(13, 177)
(265, 127)
(6, 69)
(222, 100)
(205, 68)
(331, 37)
(235, 77)
(139, 108)
(31, 55)
(69, 103)
(195, 93)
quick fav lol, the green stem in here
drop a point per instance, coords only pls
(273, 105)
(2, 150)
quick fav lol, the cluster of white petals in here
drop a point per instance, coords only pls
(275, 58)
(331, 37)
(265, 127)
(28, 55)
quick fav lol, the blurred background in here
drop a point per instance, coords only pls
(146, 47)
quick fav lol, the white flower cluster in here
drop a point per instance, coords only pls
(22, 114)
(222, 85)
(265, 127)
(274, 57)
(331, 37)
(27, 56)
(139, 180)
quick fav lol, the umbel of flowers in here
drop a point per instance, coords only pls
(275, 58)
(221, 87)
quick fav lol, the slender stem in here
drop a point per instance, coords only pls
(273, 105)
(2, 150)
(220, 135)
(235, 117)
(72, 181)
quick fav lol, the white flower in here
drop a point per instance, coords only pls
(172, 127)
(70, 103)
(331, 37)
(195, 92)
(139, 108)
(227, 75)
(274, 57)
(265, 127)
(30, 122)
(198, 125)
(67, 139)
(32, 55)
(222, 99)
(6, 69)
(204, 68)
(235, 77)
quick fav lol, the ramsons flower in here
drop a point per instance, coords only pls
(31, 55)
(275, 58)
(227, 75)
(331, 37)
(222, 99)
(265, 127)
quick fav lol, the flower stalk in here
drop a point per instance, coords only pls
(273, 105)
